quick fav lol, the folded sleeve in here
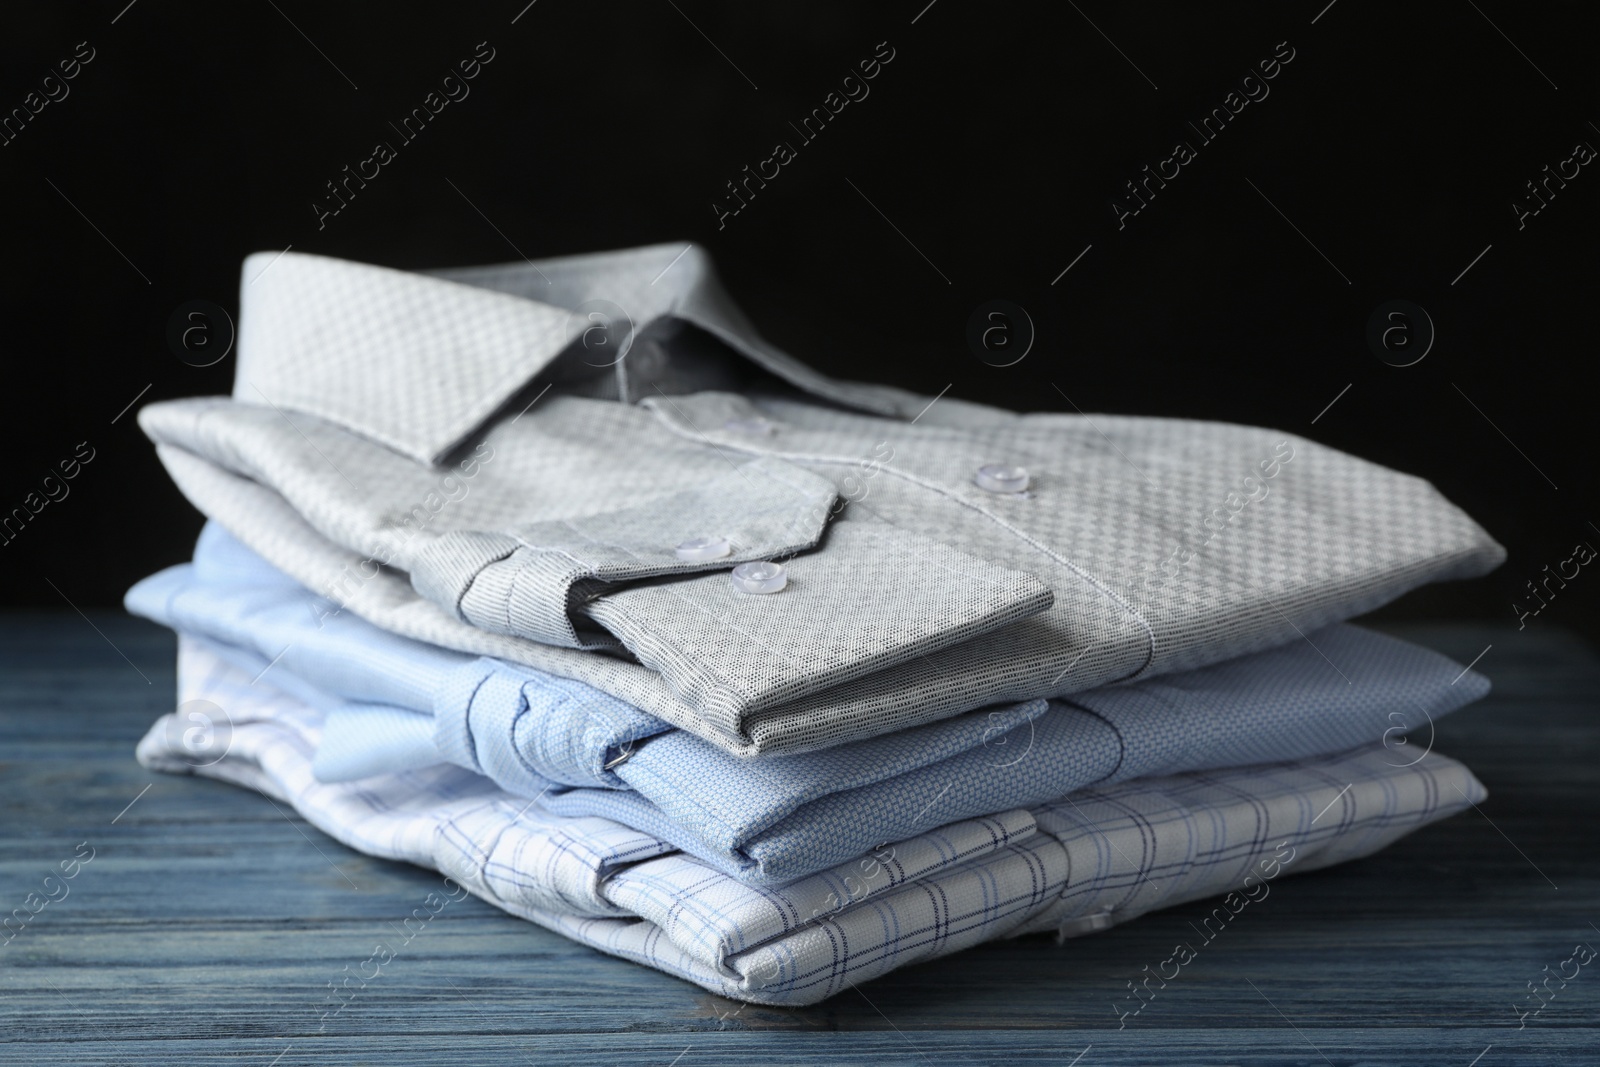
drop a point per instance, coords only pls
(874, 596)
(528, 579)
(858, 597)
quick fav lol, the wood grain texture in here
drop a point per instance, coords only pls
(210, 921)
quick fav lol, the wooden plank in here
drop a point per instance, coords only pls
(210, 921)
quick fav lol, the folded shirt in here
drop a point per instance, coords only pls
(776, 818)
(1077, 865)
(939, 556)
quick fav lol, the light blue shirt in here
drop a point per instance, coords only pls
(392, 703)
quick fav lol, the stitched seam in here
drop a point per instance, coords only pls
(729, 834)
(466, 586)
(1122, 742)
(1148, 839)
(720, 690)
(472, 739)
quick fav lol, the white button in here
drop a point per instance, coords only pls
(759, 578)
(1085, 924)
(1001, 479)
(756, 427)
(700, 549)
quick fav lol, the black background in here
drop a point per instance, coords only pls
(1395, 142)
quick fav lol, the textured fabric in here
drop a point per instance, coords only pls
(455, 350)
(773, 819)
(1157, 544)
(361, 740)
(776, 819)
(565, 731)
(1083, 863)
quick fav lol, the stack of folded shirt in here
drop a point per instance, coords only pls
(557, 578)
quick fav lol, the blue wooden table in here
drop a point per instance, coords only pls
(210, 921)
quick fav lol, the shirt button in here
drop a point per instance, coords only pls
(700, 549)
(755, 427)
(997, 478)
(759, 578)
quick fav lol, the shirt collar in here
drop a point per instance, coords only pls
(419, 361)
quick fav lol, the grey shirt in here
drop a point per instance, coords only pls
(471, 459)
